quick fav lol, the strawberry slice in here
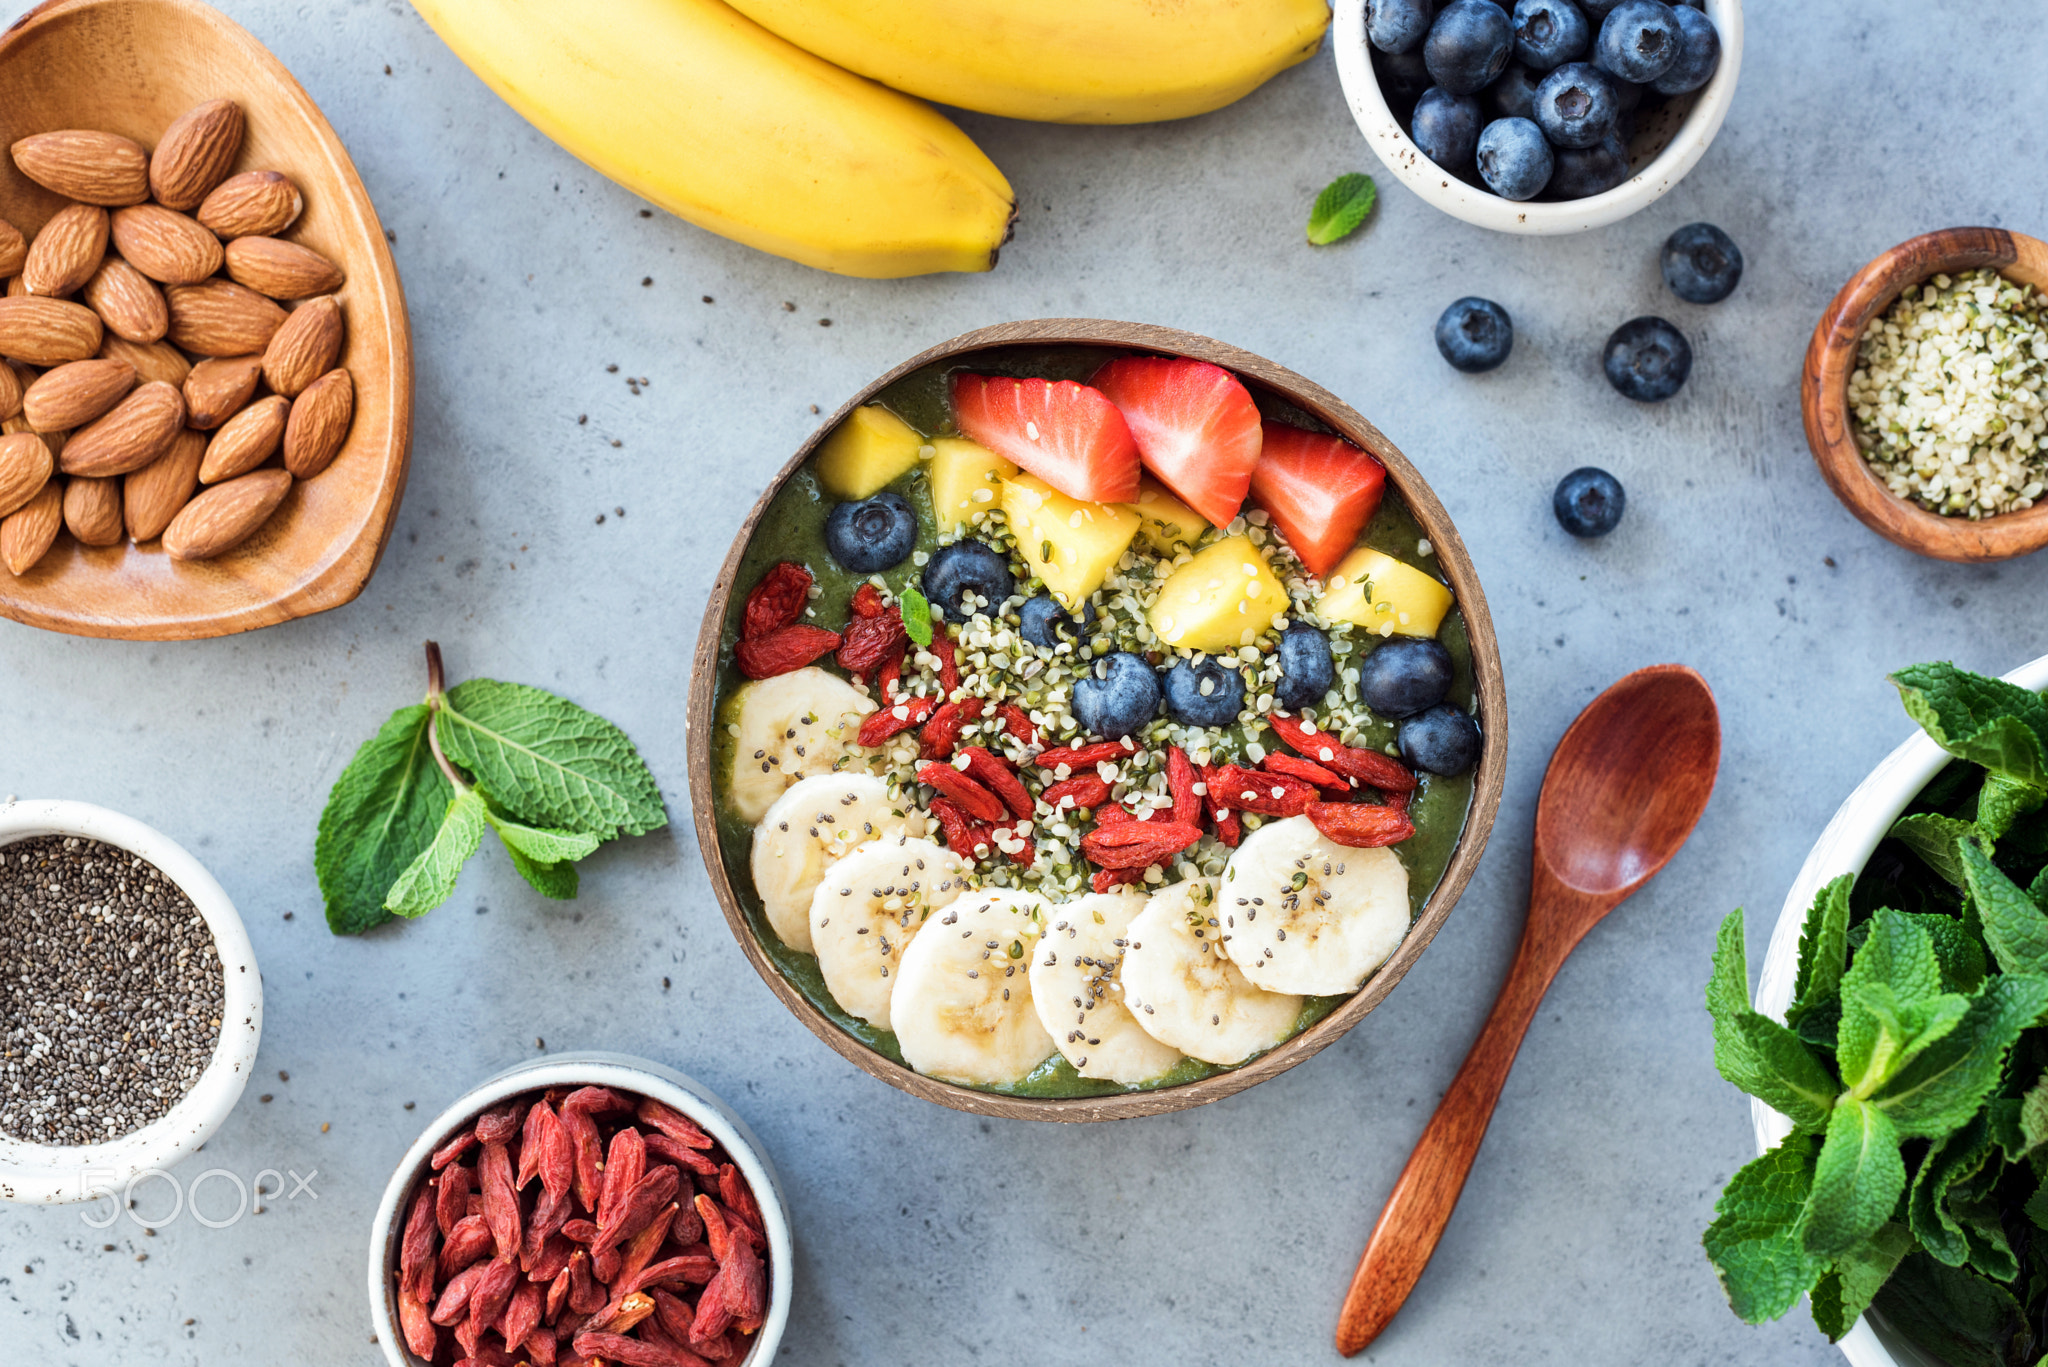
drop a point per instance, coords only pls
(1196, 428)
(1321, 490)
(1067, 434)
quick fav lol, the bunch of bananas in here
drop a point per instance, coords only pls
(779, 123)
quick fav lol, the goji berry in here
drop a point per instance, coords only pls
(996, 776)
(1359, 826)
(1372, 767)
(949, 664)
(977, 801)
(1229, 827)
(1248, 790)
(1137, 844)
(942, 732)
(1306, 770)
(888, 679)
(1399, 800)
(1026, 854)
(1367, 766)
(872, 641)
(963, 835)
(867, 602)
(1017, 722)
(776, 602)
(894, 720)
(1180, 781)
(1084, 756)
(1106, 879)
(782, 650)
(1088, 790)
(1113, 814)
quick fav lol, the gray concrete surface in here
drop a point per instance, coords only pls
(1220, 1236)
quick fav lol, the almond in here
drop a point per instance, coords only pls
(152, 496)
(13, 248)
(253, 204)
(76, 393)
(12, 386)
(16, 287)
(140, 429)
(128, 302)
(164, 245)
(18, 424)
(25, 467)
(220, 318)
(92, 511)
(282, 270)
(93, 168)
(48, 331)
(246, 440)
(319, 423)
(217, 390)
(67, 251)
(194, 153)
(226, 515)
(152, 361)
(27, 533)
(305, 348)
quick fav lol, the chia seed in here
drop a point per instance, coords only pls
(110, 992)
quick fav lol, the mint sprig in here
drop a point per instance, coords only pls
(1340, 208)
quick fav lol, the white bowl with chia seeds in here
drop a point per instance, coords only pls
(177, 1070)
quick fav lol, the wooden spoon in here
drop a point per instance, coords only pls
(1626, 786)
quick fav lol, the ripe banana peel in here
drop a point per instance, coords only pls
(1059, 61)
(721, 122)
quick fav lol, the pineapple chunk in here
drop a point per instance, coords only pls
(872, 447)
(1384, 596)
(1226, 597)
(1165, 519)
(1069, 544)
(966, 478)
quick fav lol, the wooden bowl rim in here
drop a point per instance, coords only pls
(1824, 394)
(1489, 687)
(349, 565)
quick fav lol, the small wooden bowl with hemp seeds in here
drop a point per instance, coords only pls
(1925, 394)
(130, 1002)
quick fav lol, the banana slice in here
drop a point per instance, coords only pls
(1076, 983)
(1303, 914)
(786, 728)
(963, 999)
(867, 909)
(813, 825)
(1183, 990)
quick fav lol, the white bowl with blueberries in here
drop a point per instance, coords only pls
(1539, 116)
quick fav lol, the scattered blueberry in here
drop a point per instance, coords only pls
(967, 566)
(1443, 740)
(1576, 105)
(1403, 76)
(1468, 45)
(1307, 671)
(1586, 171)
(1639, 40)
(1647, 359)
(1446, 126)
(1475, 334)
(1549, 33)
(1597, 10)
(1702, 264)
(872, 535)
(1588, 502)
(1515, 159)
(1122, 700)
(1405, 675)
(1043, 622)
(1514, 94)
(1397, 25)
(1699, 54)
(1206, 694)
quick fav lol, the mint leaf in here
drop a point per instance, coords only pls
(2014, 927)
(558, 881)
(1846, 1291)
(1941, 1089)
(1881, 1034)
(1899, 954)
(430, 879)
(1823, 950)
(2033, 1118)
(1752, 1242)
(549, 761)
(1762, 1057)
(1990, 1252)
(1340, 208)
(1933, 838)
(917, 615)
(1728, 986)
(1953, 1158)
(1963, 964)
(2002, 801)
(382, 812)
(543, 857)
(1956, 1316)
(1857, 1180)
(1986, 721)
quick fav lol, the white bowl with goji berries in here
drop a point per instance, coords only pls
(579, 1208)
(1093, 720)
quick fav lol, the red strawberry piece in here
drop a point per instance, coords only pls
(1084, 756)
(779, 652)
(1306, 770)
(1321, 491)
(1180, 781)
(1196, 427)
(1069, 435)
(894, 719)
(1359, 826)
(998, 778)
(1088, 790)
(977, 801)
(776, 602)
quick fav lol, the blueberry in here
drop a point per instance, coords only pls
(1515, 159)
(1576, 105)
(1589, 502)
(1307, 672)
(1699, 54)
(1597, 10)
(1702, 264)
(1468, 45)
(1118, 697)
(1403, 76)
(1443, 740)
(1639, 40)
(1647, 359)
(1549, 33)
(1586, 171)
(874, 534)
(1397, 25)
(1205, 694)
(1514, 94)
(1405, 675)
(967, 566)
(1475, 335)
(1042, 622)
(1446, 126)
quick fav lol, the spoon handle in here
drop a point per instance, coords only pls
(1428, 1189)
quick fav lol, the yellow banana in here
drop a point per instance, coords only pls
(714, 118)
(1059, 61)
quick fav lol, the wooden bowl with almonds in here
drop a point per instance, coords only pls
(207, 384)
